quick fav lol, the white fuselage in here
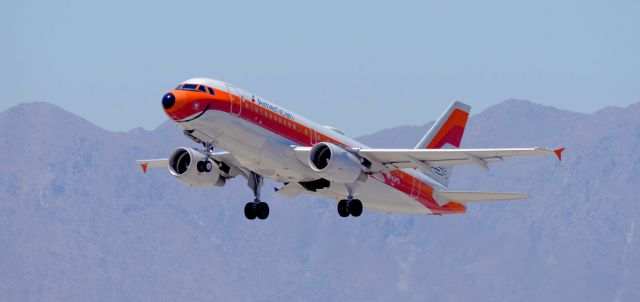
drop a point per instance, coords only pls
(253, 140)
(271, 156)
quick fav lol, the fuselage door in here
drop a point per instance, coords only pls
(417, 185)
(313, 136)
(235, 99)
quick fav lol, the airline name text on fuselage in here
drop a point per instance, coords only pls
(275, 109)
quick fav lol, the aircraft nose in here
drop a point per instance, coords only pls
(168, 100)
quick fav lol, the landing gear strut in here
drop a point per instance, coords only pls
(350, 206)
(256, 208)
(205, 165)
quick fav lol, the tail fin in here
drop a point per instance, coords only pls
(446, 133)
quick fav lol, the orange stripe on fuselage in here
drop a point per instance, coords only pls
(301, 134)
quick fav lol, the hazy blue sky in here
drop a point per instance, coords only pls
(356, 65)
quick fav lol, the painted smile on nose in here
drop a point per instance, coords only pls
(168, 100)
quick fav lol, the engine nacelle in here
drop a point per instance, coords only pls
(334, 163)
(182, 165)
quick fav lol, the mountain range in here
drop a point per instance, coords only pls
(80, 222)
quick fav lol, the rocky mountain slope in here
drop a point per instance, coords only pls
(80, 222)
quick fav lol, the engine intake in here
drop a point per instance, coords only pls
(334, 163)
(182, 165)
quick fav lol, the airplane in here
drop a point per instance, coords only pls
(263, 140)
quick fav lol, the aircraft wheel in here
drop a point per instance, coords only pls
(262, 210)
(208, 166)
(200, 166)
(355, 207)
(342, 208)
(250, 211)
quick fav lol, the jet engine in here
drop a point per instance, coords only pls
(334, 163)
(182, 165)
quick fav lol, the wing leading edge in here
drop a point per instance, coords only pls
(417, 158)
(425, 159)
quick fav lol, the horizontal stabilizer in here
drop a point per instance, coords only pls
(481, 196)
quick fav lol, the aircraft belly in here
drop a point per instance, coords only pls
(258, 149)
(376, 195)
(271, 155)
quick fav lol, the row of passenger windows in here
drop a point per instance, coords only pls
(257, 109)
(195, 87)
(280, 120)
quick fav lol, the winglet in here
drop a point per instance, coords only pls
(144, 167)
(558, 153)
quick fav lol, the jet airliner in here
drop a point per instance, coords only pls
(260, 139)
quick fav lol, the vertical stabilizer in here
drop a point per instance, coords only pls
(446, 133)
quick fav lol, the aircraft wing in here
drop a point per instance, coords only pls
(427, 158)
(153, 164)
(163, 163)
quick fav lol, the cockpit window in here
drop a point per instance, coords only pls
(203, 88)
(189, 86)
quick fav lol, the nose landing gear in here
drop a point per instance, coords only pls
(205, 165)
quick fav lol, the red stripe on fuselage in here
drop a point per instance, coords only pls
(302, 135)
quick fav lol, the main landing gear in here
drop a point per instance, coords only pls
(205, 165)
(350, 206)
(256, 208)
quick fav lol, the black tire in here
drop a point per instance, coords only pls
(200, 166)
(355, 207)
(250, 211)
(262, 210)
(342, 208)
(208, 166)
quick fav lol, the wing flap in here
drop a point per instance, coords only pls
(481, 196)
